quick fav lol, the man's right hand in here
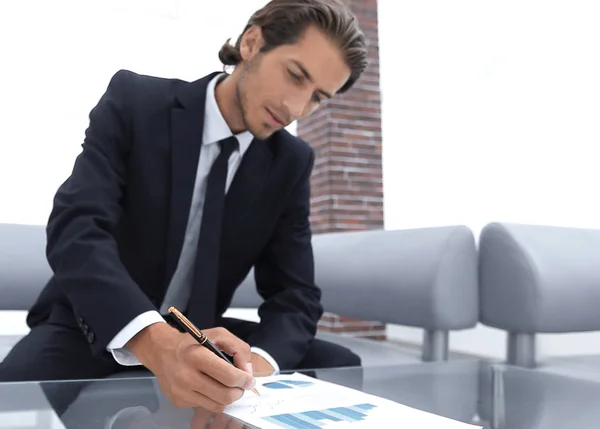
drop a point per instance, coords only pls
(190, 375)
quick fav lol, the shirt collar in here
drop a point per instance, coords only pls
(215, 127)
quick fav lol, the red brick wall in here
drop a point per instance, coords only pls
(347, 192)
(347, 188)
(353, 327)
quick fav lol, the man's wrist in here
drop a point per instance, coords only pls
(260, 366)
(266, 357)
(144, 342)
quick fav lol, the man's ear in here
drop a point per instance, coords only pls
(251, 43)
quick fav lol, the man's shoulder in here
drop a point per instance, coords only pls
(124, 75)
(289, 145)
(133, 82)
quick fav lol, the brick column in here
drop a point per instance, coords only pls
(347, 186)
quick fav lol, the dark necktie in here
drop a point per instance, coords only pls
(203, 304)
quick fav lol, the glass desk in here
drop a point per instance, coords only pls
(493, 396)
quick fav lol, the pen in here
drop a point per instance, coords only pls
(189, 327)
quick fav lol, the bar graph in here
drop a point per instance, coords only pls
(287, 384)
(321, 418)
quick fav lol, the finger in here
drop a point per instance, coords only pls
(236, 424)
(189, 382)
(232, 345)
(177, 395)
(202, 401)
(201, 418)
(215, 390)
(223, 372)
(183, 400)
(221, 421)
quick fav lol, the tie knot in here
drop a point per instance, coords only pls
(228, 145)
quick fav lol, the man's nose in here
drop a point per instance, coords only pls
(297, 106)
(294, 110)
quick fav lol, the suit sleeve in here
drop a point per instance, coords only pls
(285, 279)
(81, 245)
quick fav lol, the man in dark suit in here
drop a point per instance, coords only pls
(180, 189)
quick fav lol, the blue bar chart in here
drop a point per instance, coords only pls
(321, 418)
(287, 384)
(297, 401)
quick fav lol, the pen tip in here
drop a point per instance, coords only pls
(256, 391)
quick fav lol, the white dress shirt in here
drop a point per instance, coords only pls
(215, 129)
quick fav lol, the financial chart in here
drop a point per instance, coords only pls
(287, 384)
(316, 419)
(296, 401)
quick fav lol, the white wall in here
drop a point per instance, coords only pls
(490, 113)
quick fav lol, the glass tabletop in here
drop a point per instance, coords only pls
(492, 395)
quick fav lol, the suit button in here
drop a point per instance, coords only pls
(90, 337)
(85, 329)
(80, 321)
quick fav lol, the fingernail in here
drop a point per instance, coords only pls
(249, 368)
(253, 383)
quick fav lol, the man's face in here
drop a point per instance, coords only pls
(288, 82)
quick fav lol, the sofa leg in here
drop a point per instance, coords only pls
(521, 350)
(435, 346)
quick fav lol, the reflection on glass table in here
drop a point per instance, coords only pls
(493, 396)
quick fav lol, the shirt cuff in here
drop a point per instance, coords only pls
(267, 357)
(120, 353)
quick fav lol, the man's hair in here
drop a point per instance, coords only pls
(283, 22)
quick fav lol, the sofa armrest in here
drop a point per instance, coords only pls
(24, 269)
(539, 279)
(424, 278)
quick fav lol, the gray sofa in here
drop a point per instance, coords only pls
(541, 280)
(425, 278)
(24, 270)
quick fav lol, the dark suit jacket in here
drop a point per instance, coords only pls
(117, 225)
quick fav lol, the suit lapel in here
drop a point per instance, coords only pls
(187, 124)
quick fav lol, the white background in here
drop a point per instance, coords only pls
(490, 109)
(491, 112)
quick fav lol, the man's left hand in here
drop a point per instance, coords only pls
(260, 366)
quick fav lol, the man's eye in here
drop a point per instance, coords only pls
(294, 75)
(316, 99)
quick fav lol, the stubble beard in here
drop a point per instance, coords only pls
(241, 99)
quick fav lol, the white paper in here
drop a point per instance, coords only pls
(296, 401)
